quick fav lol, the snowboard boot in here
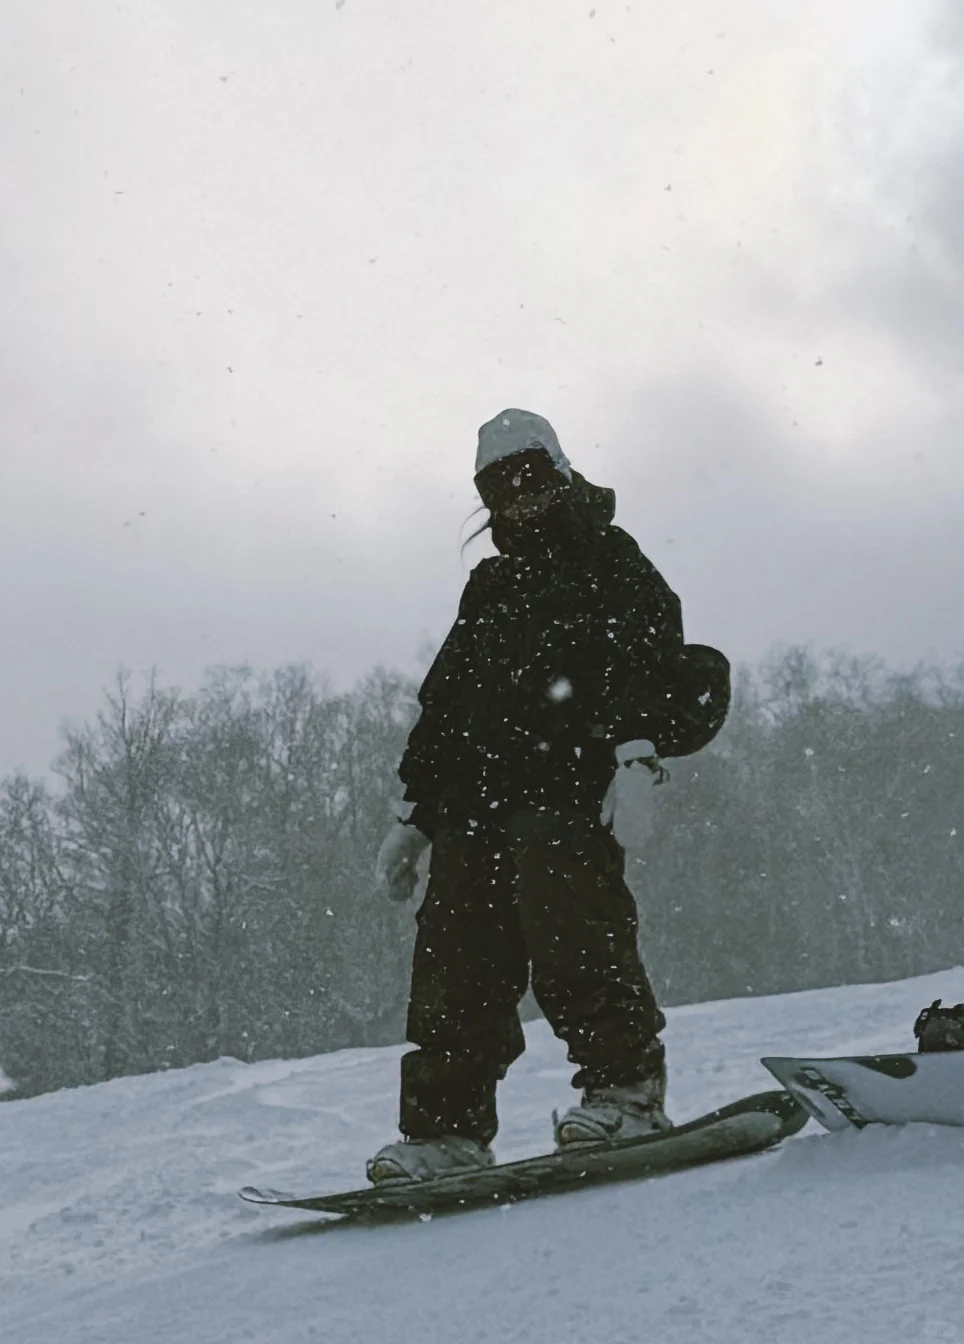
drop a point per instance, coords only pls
(424, 1159)
(608, 1114)
(940, 1028)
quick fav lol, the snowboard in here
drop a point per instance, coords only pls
(860, 1090)
(747, 1126)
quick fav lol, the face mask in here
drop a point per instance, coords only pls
(521, 486)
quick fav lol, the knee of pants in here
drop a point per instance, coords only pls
(486, 1046)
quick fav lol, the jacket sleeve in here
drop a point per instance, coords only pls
(424, 762)
(677, 695)
(645, 634)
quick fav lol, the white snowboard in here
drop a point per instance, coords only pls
(877, 1089)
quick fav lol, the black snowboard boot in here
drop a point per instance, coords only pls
(940, 1028)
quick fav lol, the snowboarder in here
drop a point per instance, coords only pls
(530, 772)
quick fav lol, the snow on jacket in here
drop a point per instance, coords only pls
(564, 646)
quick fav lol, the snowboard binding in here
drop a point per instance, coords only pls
(940, 1028)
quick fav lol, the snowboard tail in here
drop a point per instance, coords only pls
(747, 1126)
(854, 1091)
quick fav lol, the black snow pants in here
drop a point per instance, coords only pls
(542, 893)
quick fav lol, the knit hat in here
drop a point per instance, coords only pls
(515, 431)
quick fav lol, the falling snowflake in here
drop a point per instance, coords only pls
(561, 689)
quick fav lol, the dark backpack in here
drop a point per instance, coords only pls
(940, 1028)
(694, 700)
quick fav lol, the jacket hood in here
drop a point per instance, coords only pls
(595, 503)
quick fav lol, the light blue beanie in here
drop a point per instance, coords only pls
(514, 431)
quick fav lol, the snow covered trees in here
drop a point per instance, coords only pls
(198, 881)
(201, 884)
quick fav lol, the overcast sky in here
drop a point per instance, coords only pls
(265, 268)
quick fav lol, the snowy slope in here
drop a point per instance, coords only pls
(119, 1221)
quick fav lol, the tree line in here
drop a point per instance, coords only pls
(196, 878)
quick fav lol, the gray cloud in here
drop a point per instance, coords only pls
(266, 271)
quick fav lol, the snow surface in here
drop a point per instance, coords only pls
(120, 1221)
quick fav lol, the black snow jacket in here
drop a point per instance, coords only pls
(566, 644)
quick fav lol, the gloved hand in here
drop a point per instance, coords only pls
(396, 866)
(629, 804)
